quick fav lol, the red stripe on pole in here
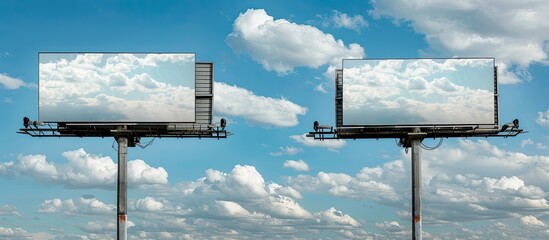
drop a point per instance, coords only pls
(122, 218)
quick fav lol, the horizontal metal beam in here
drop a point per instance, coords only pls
(358, 133)
(45, 132)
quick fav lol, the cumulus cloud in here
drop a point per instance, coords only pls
(102, 227)
(321, 88)
(242, 181)
(13, 83)
(392, 226)
(90, 206)
(366, 184)
(9, 210)
(280, 45)
(237, 203)
(83, 170)
(298, 165)
(330, 144)
(526, 142)
(342, 20)
(287, 150)
(14, 233)
(236, 101)
(531, 221)
(149, 204)
(543, 119)
(461, 183)
(529, 141)
(515, 33)
(332, 215)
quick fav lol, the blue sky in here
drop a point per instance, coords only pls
(274, 64)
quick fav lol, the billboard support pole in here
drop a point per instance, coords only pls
(122, 190)
(415, 141)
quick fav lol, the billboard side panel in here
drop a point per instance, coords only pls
(339, 97)
(117, 87)
(204, 93)
(419, 92)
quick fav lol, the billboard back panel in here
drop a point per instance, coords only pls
(418, 92)
(117, 87)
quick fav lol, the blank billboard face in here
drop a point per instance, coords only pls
(116, 87)
(418, 92)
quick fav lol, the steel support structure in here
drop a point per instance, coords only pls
(122, 190)
(416, 188)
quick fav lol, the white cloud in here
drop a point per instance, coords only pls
(543, 119)
(285, 191)
(13, 83)
(102, 227)
(330, 144)
(14, 233)
(287, 150)
(267, 111)
(392, 226)
(141, 173)
(360, 187)
(531, 221)
(529, 141)
(285, 207)
(83, 170)
(515, 33)
(526, 142)
(298, 165)
(149, 204)
(239, 203)
(89, 206)
(342, 20)
(9, 210)
(474, 180)
(332, 215)
(229, 209)
(281, 45)
(321, 88)
(241, 182)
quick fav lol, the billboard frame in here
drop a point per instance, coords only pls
(128, 134)
(339, 99)
(411, 137)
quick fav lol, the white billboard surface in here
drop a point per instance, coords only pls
(422, 92)
(116, 87)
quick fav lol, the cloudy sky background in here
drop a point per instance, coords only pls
(274, 65)
(112, 87)
(418, 91)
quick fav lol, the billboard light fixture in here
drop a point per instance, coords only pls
(27, 123)
(223, 123)
(513, 125)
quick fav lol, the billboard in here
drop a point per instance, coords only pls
(418, 92)
(116, 87)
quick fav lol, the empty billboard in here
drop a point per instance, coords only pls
(418, 92)
(117, 87)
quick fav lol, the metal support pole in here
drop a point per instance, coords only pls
(122, 191)
(416, 188)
